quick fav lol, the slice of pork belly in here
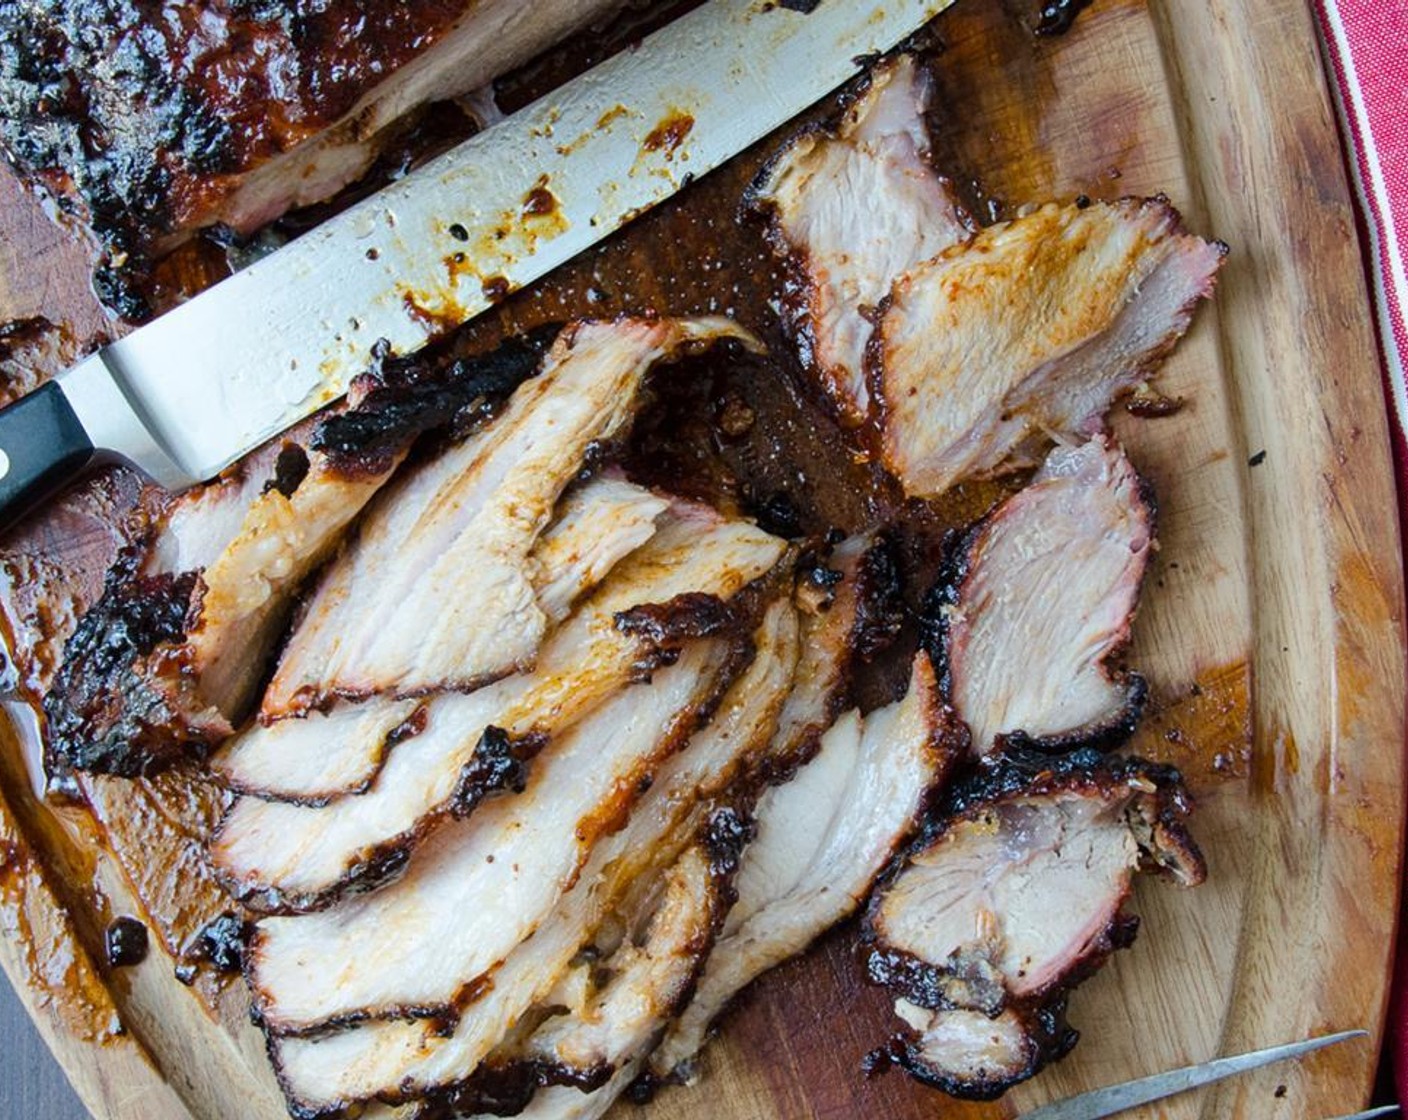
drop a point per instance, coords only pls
(850, 212)
(174, 650)
(173, 653)
(822, 838)
(437, 591)
(315, 758)
(968, 1054)
(278, 855)
(477, 887)
(235, 113)
(1034, 607)
(1030, 329)
(404, 1060)
(627, 995)
(1016, 896)
(851, 608)
(596, 525)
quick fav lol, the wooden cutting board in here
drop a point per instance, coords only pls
(1271, 631)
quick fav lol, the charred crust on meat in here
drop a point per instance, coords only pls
(505, 1087)
(105, 717)
(1046, 1037)
(222, 943)
(493, 1090)
(816, 583)
(686, 617)
(1018, 773)
(664, 628)
(1102, 736)
(1154, 806)
(400, 398)
(499, 764)
(725, 836)
(880, 610)
(290, 469)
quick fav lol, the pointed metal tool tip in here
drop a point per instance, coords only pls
(1371, 1114)
(1115, 1099)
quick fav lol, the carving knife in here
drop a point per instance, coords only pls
(189, 393)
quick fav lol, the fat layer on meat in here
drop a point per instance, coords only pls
(1014, 898)
(822, 838)
(1034, 608)
(277, 855)
(1029, 329)
(478, 887)
(313, 759)
(404, 1060)
(437, 591)
(851, 211)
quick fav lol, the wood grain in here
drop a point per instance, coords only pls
(1272, 627)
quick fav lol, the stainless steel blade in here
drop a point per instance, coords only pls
(1115, 1099)
(227, 370)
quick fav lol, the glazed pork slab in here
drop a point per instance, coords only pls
(151, 120)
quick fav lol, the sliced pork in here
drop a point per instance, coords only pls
(596, 526)
(401, 1060)
(148, 129)
(1034, 608)
(312, 759)
(851, 609)
(619, 1001)
(276, 855)
(851, 211)
(437, 590)
(173, 653)
(476, 888)
(968, 1054)
(822, 838)
(1015, 897)
(1028, 330)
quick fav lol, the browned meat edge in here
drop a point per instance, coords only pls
(101, 715)
(138, 127)
(1049, 1039)
(947, 591)
(500, 764)
(879, 613)
(1021, 774)
(110, 710)
(796, 279)
(505, 1089)
(735, 626)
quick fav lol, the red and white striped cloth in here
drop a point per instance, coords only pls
(1366, 55)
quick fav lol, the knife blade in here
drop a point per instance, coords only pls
(186, 395)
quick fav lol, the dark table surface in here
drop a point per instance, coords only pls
(32, 1086)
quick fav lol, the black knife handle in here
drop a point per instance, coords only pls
(42, 448)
